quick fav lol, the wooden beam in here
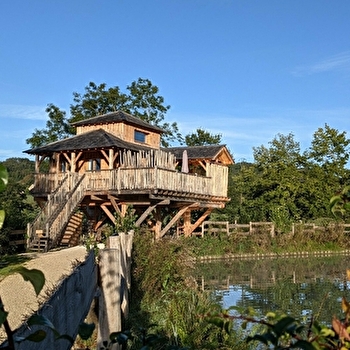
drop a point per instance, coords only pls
(201, 219)
(115, 205)
(109, 214)
(149, 210)
(98, 224)
(175, 218)
(105, 155)
(66, 156)
(202, 165)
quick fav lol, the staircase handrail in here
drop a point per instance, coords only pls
(60, 218)
(46, 211)
(56, 201)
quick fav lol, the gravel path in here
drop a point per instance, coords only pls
(18, 296)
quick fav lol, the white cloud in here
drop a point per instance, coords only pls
(340, 61)
(22, 112)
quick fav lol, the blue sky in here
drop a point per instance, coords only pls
(246, 69)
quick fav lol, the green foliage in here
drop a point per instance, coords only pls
(330, 149)
(142, 100)
(280, 217)
(283, 177)
(125, 223)
(20, 170)
(167, 310)
(340, 203)
(202, 137)
(3, 183)
(57, 128)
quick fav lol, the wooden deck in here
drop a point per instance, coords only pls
(139, 180)
(64, 193)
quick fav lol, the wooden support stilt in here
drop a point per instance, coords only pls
(109, 214)
(175, 218)
(149, 210)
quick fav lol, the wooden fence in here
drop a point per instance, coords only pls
(115, 275)
(69, 305)
(18, 239)
(216, 227)
(66, 308)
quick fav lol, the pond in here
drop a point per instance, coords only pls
(301, 286)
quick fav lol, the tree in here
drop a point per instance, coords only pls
(57, 128)
(202, 137)
(142, 100)
(281, 185)
(20, 169)
(330, 150)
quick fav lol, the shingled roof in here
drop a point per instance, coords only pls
(209, 152)
(95, 139)
(118, 117)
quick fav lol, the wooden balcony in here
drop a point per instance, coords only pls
(153, 180)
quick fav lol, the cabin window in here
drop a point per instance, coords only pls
(63, 167)
(139, 136)
(94, 165)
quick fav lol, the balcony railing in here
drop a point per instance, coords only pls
(143, 179)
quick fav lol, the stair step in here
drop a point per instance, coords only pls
(72, 232)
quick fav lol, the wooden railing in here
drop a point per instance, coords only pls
(57, 211)
(159, 179)
(71, 189)
(61, 217)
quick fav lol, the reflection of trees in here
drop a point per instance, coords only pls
(301, 286)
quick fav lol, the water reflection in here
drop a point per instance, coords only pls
(298, 286)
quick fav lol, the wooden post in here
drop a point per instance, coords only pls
(158, 224)
(73, 162)
(110, 315)
(111, 158)
(187, 223)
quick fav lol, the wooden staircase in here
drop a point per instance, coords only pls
(73, 230)
(49, 227)
(39, 243)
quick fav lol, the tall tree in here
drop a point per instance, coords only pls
(57, 128)
(330, 150)
(142, 100)
(202, 137)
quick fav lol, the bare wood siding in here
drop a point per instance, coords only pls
(123, 131)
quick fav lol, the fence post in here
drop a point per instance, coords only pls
(109, 300)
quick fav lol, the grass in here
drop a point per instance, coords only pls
(262, 243)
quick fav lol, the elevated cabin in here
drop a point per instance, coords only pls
(115, 161)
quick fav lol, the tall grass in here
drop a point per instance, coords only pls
(166, 301)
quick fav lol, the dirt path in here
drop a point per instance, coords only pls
(18, 296)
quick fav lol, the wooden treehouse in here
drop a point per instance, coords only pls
(115, 161)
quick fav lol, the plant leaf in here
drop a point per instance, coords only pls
(303, 344)
(34, 276)
(345, 305)
(3, 177)
(340, 329)
(2, 218)
(40, 320)
(3, 316)
(36, 337)
(85, 330)
(281, 326)
(64, 336)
